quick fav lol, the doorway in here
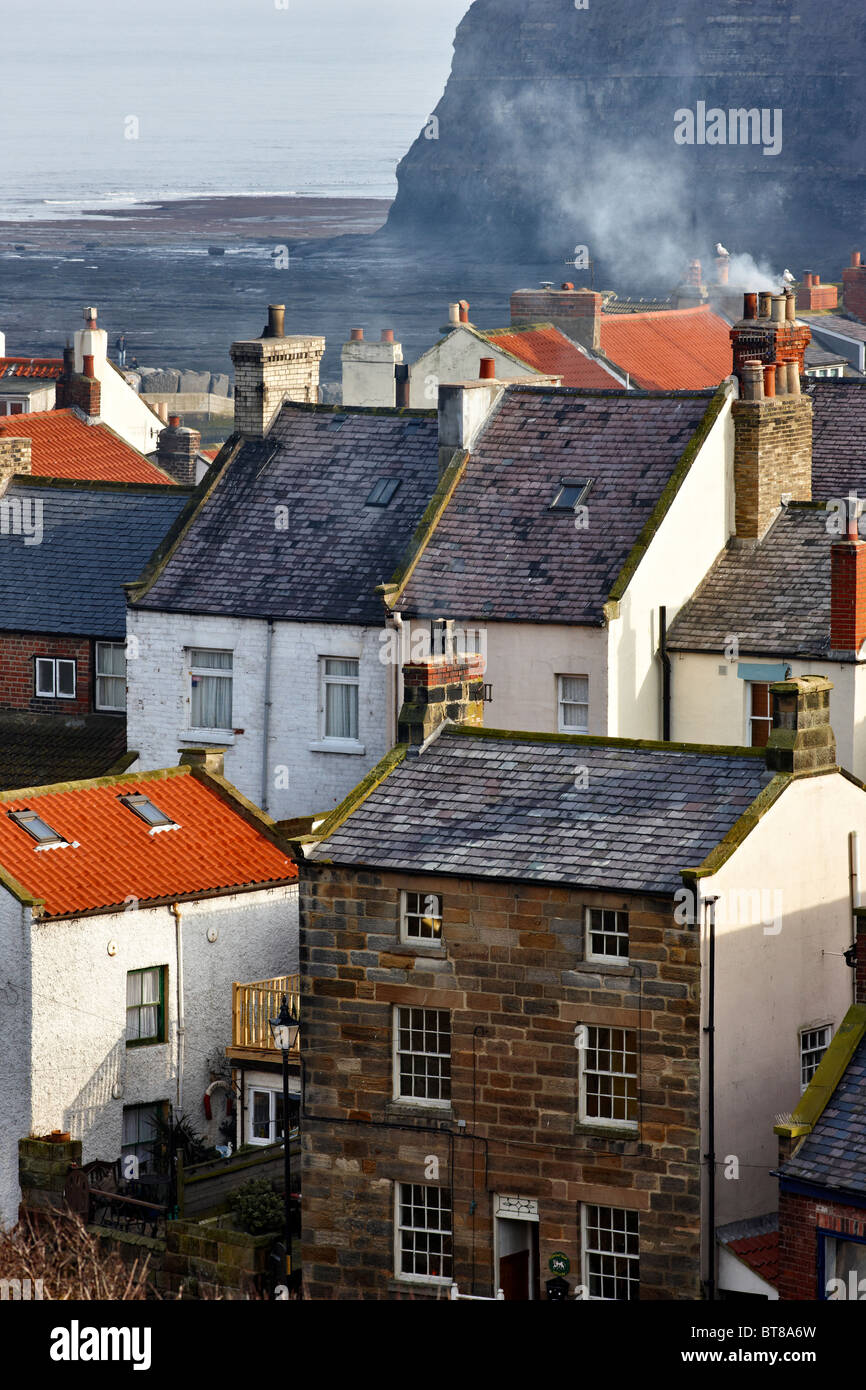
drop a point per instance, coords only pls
(516, 1254)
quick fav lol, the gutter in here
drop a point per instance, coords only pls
(181, 1023)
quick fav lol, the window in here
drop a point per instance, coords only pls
(145, 809)
(382, 491)
(145, 1006)
(608, 1077)
(211, 689)
(266, 1115)
(760, 714)
(340, 697)
(844, 1268)
(813, 1044)
(141, 1131)
(421, 917)
(423, 1233)
(570, 495)
(611, 1253)
(36, 827)
(55, 678)
(110, 675)
(422, 1062)
(607, 934)
(573, 700)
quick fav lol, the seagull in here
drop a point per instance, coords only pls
(721, 250)
(788, 278)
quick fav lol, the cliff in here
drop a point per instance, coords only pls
(562, 127)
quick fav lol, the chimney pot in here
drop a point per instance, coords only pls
(753, 380)
(356, 335)
(765, 300)
(90, 314)
(276, 321)
(488, 369)
(750, 306)
(567, 285)
(464, 311)
(790, 306)
(816, 279)
(778, 308)
(453, 313)
(808, 277)
(89, 368)
(855, 258)
(387, 335)
(769, 379)
(793, 382)
(781, 378)
(174, 421)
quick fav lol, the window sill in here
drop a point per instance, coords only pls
(420, 1110)
(146, 1042)
(433, 950)
(338, 745)
(219, 737)
(400, 1283)
(593, 1130)
(608, 966)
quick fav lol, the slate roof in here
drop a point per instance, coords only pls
(670, 350)
(546, 350)
(834, 1154)
(507, 807)
(39, 748)
(63, 445)
(321, 464)
(834, 323)
(111, 855)
(45, 368)
(499, 552)
(818, 356)
(838, 435)
(94, 540)
(775, 595)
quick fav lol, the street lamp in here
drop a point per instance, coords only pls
(285, 1032)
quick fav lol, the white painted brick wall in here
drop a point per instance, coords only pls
(158, 708)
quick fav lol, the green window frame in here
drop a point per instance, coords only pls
(145, 1006)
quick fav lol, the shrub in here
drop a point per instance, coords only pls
(258, 1207)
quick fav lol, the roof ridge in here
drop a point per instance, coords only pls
(89, 783)
(605, 741)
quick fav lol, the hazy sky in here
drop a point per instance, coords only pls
(222, 88)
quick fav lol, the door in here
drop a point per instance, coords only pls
(517, 1243)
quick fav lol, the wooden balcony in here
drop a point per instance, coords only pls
(252, 1006)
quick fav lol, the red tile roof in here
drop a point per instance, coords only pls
(672, 350)
(547, 350)
(111, 856)
(48, 367)
(760, 1253)
(64, 446)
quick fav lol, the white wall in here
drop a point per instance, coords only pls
(457, 358)
(16, 1022)
(120, 407)
(81, 989)
(771, 983)
(300, 779)
(708, 707)
(692, 534)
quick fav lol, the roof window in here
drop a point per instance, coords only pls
(146, 811)
(570, 494)
(40, 831)
(382, 491)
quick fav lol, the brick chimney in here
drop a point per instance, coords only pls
(801, 739)
(848, 595)
(14, 458)
(446, 686)
(177, 450)
(210, 760)
(271, 369)
(772, 420)
(370, 369)
(691, 291)
(813, 295)
(576, 313)
(854, 286)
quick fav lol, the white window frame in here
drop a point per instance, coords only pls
(561, 726)
(104, 675)
(601, 956)
(331, 743)
(804, 1033)
(586, 1253)
(205, 731)
(55, 662)
(439, 1103)
(419, 912)
(600, 1121)
(757, 718)
(398, 1244)
(274, 1094)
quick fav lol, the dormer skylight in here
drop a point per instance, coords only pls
(40, 831)
(571, 493)
(382, 491)
(144, 808)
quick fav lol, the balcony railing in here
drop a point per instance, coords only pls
(254, 1004)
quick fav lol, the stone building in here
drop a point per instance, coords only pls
(509, 945)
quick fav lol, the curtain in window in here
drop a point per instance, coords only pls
(110, 676)
(575, 702)
(211, 695)
(341, 699)
(142, 1003)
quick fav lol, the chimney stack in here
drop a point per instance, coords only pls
(370, 371)
(801, 740)
(209, 760)
(576, 313)
(272, 369)
(848, 593)
(177, 451)
(446, 686)
(15, 457)
(80, 389)
(814, 295)
(854, 286)
(772, 334)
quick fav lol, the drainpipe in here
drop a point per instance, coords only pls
(666, 674)
(266, 722)
(854, 847)
(181, 1026)
(395, 621)
(710, 1032)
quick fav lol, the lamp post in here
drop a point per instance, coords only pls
(285, 1032)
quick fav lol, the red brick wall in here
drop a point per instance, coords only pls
(848, 595)
(514, 977)
(18, 671)
(854, 281)
(799, 1220)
